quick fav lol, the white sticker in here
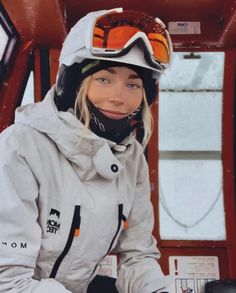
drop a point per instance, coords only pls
(109, 266)
(184, 28)
(191, 273)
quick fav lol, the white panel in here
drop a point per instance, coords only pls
(29, 91)
(3, 41)
(191, 200)
(192, 74)
(190, 121)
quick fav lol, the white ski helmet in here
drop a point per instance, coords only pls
(127, 37)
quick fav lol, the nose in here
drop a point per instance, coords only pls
(116, 95)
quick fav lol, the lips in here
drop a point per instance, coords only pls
(113, 114)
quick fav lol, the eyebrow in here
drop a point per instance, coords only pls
(131, 76)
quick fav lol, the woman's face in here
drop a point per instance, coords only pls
(116, 91)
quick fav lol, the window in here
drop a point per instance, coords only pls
(8, 39)
(4, 40)
(190, 166)
(28, 96)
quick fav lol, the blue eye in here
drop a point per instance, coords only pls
(134, 86)
(102, 80)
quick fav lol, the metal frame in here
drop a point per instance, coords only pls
(13, 82)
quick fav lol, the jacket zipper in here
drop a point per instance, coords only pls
(120, 214)
(74, 232)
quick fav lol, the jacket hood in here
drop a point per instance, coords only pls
(72, 138)
(62, 127)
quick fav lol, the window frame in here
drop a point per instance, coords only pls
(172, 150)
(225, 250)
(13, 38)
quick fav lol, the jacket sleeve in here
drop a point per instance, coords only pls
(20, 236)
(138, 269)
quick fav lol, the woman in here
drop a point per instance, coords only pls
(74, 180)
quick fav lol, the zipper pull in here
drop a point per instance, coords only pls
(77, 221)
(126, 224)
(76, 234)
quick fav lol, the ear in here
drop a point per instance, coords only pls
(67, 83)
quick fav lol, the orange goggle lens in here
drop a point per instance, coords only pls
(112, 31)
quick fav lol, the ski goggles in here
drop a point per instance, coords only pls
(116, 32)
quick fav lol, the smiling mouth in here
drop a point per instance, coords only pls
(113, 114)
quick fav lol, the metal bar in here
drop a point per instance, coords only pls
(190, 155)
(228, 156)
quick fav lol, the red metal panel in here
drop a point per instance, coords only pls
(227, 36)
(12, 85)
(153, 169)
(228, 158)
(180, 10)
(40, 20)
(37, 76)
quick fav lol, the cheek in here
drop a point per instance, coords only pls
(93, 95)
(97, 93)
(134, 103)
(90, 93)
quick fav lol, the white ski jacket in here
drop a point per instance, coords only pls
(64, 199)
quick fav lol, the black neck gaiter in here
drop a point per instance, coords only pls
(114, 130)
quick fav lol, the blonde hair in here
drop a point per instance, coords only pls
(82, 111)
